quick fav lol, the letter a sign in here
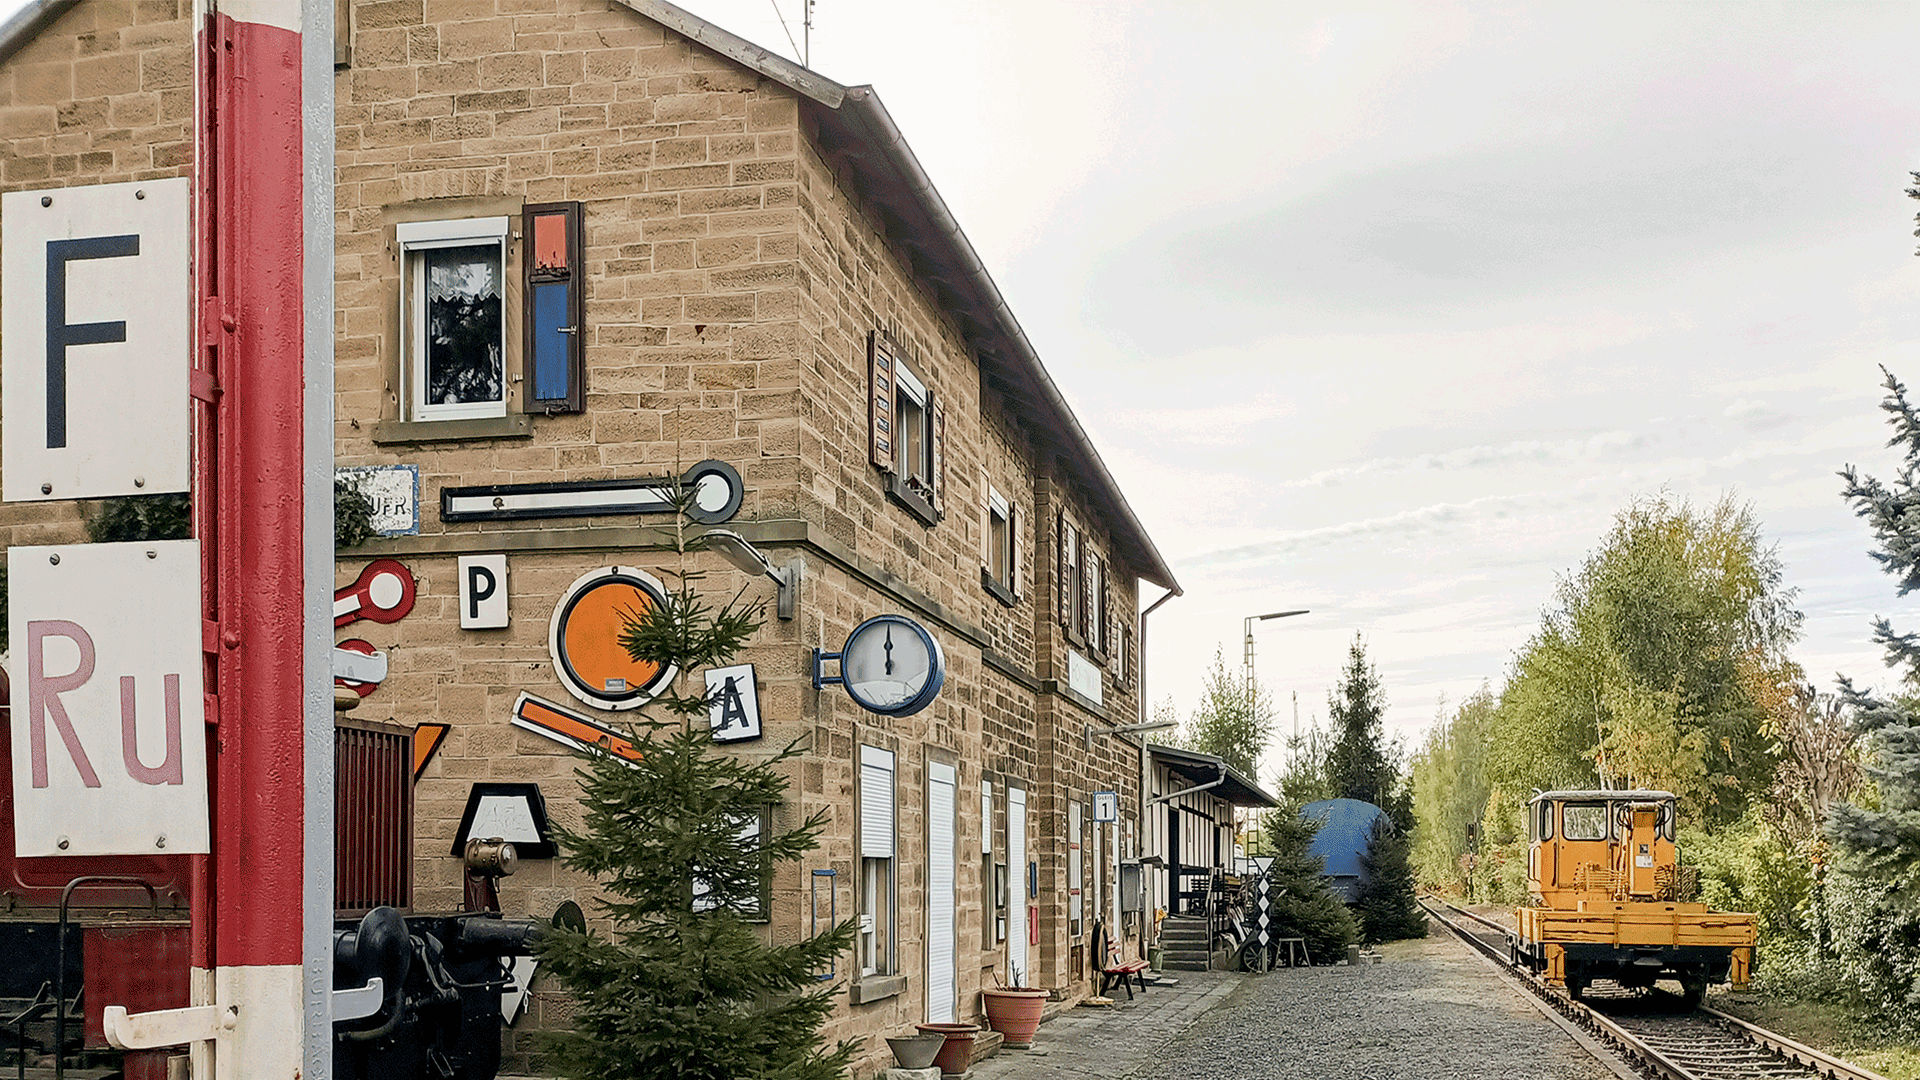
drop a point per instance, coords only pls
(109, 729)
(95, 286)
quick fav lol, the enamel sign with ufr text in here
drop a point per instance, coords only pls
(95, 289)
(109, 731)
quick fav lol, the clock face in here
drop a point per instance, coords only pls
(892, 665)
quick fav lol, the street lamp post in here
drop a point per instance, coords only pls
(1253, 697)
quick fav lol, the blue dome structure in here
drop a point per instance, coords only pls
(1345, 825)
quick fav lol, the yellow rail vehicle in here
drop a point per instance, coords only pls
(1607, 899)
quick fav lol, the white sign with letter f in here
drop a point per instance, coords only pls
(95, 349)
(109, 725)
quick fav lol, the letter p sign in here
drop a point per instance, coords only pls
(483, 592)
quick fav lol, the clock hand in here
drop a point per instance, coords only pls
(889, 648)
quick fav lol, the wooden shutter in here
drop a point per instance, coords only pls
(880, 420)
(1089, 620)
(942, 991)
(1126, 638)
(554, 322)
(986, 521)
(1104, 593)
(876, 803)
(1013, 548)
(937, 473)
(1064, 586)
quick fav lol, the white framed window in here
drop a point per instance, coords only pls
(877, 879)
(913, 422)
(999, 555)
(906, 428)
(453, 318)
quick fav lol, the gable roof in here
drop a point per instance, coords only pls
(854, 125)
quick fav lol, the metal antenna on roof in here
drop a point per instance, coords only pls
(798, 51)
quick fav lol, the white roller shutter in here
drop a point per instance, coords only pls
(876, 803)
(986, 823)
(1017, 973)
(941, 784)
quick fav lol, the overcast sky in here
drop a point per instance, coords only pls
(1386, 313)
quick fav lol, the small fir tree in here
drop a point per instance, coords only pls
(1385, 902)
(687, 987)
(1301, 905)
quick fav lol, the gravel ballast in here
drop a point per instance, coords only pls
(1432, 1010)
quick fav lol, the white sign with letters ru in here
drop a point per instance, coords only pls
(94, 341)
(109, 732)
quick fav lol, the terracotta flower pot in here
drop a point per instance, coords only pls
(1015, 1013)
(953, 1057)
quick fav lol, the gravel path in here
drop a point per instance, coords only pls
(1431, 1011)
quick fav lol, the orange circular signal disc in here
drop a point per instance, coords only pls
(586, 632)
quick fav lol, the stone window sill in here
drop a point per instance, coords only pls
(405, 432)
(997, 590)
(876, 988)
(916, 503)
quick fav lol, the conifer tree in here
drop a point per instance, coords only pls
(1357, 763)
(1301, 905)
(1876, 840)
(683, 838)
(1385, 903)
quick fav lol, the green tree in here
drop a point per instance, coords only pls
(1876, 837)
(678, 835)
(140, 517)
(1229, 723)
(1300, 904)
(1385, 904)
(1643, 673)
(1448, 776)
(1303, 775)
(1359, 765)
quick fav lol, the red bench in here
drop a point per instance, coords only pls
(1128, 972)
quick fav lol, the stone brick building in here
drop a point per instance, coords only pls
(583, 245)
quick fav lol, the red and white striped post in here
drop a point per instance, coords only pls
(263, 511)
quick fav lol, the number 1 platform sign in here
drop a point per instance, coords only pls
(109, 735)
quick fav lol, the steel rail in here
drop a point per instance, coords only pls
(1821, 1064)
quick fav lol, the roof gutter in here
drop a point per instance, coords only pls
(27, 23)
(1142, 675)
(1158, 799)
(863, 103)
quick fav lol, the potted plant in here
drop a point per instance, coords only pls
(1014, 1011)
(957, 1050)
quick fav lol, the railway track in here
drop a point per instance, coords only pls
(1653, 1033)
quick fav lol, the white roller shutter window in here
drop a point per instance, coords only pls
(1017, 972)
(986, 820)
(941, 783)
(876, 803)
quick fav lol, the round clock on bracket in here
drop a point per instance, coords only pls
(891, 665)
